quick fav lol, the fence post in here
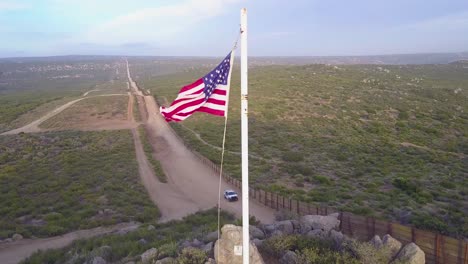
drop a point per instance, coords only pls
(290, 204)
(390, 229)
(340, 217)
(436, 249)
(298, 211)
(277, 207)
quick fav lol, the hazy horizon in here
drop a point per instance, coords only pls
(210, 27)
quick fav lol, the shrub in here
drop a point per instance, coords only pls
(320, 256)
(277, 245)
(292, 156)
(192, 256)
(168, 250)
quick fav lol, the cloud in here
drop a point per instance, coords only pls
(454, 21)
(12, 5)
(155, 23)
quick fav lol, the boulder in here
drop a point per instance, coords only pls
(167, 260)
(98, 260)
(211, 237)
(325, 223)
(337, 237)
(317, 233)
(142, 241)
(269, 229)
(17, 237)
(286, 227)
(150, 227)
(104, 252)
(149, 255)
(296, 225)
(210, 261)
(231, 236)
(256, 232)
(391, 244)
(411, 254)
(289, 258)
(8, 240)
(257, 242)
(376, 242)
(196, 243)
(277, 233)
(208, 248)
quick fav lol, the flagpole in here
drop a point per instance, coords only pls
(245, 140)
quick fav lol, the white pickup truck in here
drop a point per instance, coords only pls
(230, 195)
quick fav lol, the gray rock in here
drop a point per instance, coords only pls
(231, 236)
(277, 233)
(256, 232)
(376, 242)
(289, 258)
(257, 242)
(392, 244)
(130, 262)
(17, 237)
(317, 233)
(285, 226)
(196, 243)
(142, 241)
(311, 222)
(269, 229)
(296, 225)
(185, 244)
(99, 260)
(150, 227)
(149, 255)
(211, 237)
(411, 254)
(210, 261)
(167, 260)
(335, 215)
(8, 240)
(207, 248)
(337, 237)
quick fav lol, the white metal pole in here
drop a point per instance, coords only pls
(245, 140)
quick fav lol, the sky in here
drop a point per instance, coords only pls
(210, 27)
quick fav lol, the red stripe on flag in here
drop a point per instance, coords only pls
(190, 86)
(211, 111)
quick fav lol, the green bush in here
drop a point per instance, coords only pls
(320, 256)
(192, 256)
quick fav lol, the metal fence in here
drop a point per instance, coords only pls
(437, 248)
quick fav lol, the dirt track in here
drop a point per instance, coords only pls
(192, 185)
(14, 252)
(33, 127)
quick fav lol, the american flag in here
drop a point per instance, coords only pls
(208, 94)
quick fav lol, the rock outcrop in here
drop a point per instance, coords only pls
(149, 255)
(231, 236)
(411, 254)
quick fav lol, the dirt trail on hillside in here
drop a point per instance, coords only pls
(172, 203)
(33, 127)
(188, 174)
(191, 185)
(14, 252)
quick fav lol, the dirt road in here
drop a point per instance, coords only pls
(14, 252)
(191, 185)
(33, 127)
(185, 171)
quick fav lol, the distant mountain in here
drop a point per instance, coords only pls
(427, 58)
(422, 58)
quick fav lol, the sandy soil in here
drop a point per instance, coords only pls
(191, 185)
(33, 127)
(188, 174)
(12, 253)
